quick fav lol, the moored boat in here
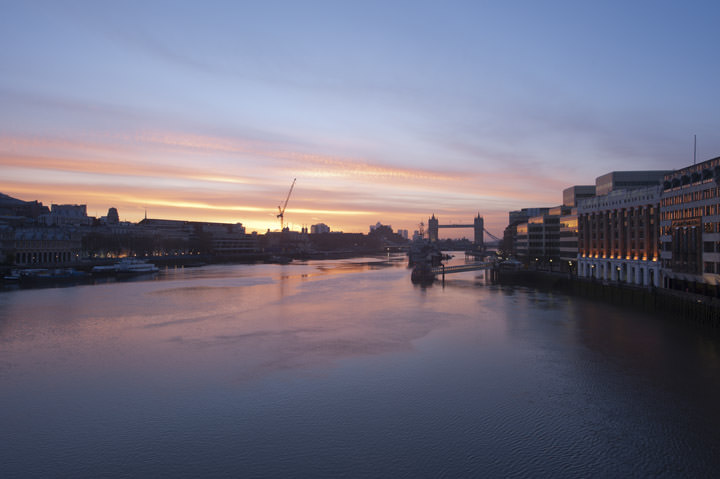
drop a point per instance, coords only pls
(45, 275)
(131, 266)
(423, 251)
(103, 270)
(125, 267)
(422, 273)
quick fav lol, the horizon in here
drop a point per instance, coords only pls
(291, 227)
(383, 112)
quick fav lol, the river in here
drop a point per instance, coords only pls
(343, 368)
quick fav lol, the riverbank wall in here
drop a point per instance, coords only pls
(682, 305)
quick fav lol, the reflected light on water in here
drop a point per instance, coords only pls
(343, 367)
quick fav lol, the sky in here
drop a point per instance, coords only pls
(386, 111)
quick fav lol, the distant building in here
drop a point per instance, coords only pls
(75, 215)
(43, 246)
(13, 207)
(220, 239)
(377, 226)
(403, 233)
(7, 244)
(319, 228)
(112, 217)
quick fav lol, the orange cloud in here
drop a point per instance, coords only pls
(181, 176)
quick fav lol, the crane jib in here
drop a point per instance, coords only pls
(281, 215)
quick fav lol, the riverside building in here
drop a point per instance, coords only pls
(538, 239)
(515, 236)
(619, 236)
(569, 225)
(569, 241)
(41, 246)
(690, 228)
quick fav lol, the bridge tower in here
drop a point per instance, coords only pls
(479, 227)
(433, 229)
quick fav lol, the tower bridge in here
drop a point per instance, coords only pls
(478, 225)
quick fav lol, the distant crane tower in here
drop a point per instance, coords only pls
(281, 209)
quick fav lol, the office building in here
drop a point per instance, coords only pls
(619, 236)
(690, 228)
(573, 194)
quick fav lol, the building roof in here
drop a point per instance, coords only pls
(623, 180)
(9, 200)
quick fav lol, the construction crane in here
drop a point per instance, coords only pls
(281, 209)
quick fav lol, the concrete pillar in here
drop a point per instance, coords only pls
(612, 218)
(596, 232)
(621, 233)
(605, 236)
(629, 234)
(648, 240)
(588, 233)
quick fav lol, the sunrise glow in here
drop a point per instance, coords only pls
(203, 128)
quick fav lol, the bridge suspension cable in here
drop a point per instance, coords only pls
(491, 235)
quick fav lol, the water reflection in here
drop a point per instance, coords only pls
(335, 368)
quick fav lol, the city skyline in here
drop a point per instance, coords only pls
(383, 112)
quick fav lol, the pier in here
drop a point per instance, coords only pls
(442, 270)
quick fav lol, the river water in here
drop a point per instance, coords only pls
(344, 368)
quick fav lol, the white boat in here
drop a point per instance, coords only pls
(103, 270)
(134, 266)
(126, 266)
